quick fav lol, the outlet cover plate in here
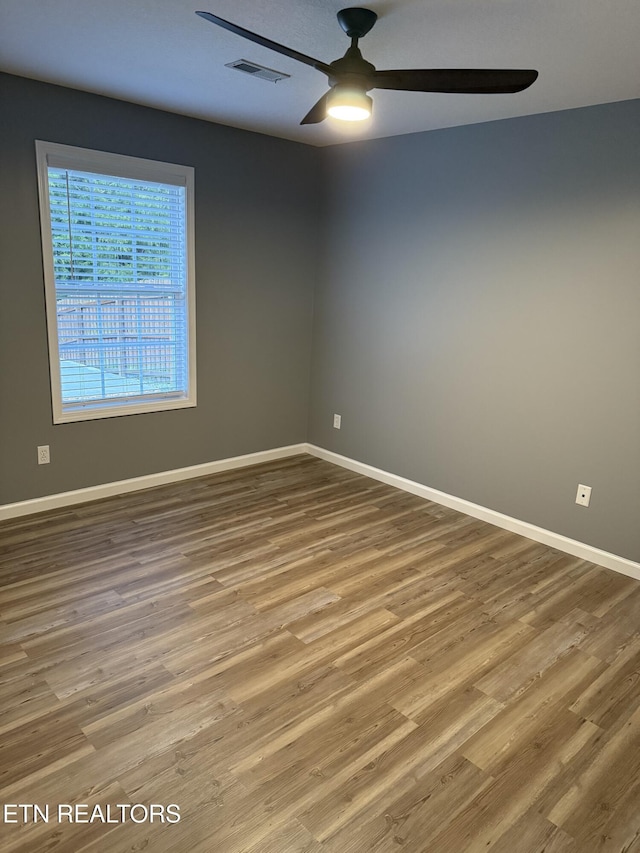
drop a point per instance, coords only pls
(584, 495)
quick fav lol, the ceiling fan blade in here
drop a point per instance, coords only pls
(461, 80)
(265, 42)
(318, 112)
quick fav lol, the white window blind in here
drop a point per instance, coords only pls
(119, 299)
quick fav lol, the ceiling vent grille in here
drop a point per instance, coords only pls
(257, 70)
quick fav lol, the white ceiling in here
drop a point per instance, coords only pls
(159, 53)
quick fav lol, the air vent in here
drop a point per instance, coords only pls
(257, 70)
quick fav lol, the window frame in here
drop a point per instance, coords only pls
(123, 166)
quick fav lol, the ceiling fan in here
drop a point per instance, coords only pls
(351, 77)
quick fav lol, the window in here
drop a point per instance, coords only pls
(118, 250)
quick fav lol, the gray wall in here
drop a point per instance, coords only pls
(477, 307)
(478, 320)
(256, 246)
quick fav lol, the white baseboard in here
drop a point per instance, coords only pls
(120, 487)
(523, 528)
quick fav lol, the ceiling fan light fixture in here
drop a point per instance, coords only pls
(351, 77)
(348, 103)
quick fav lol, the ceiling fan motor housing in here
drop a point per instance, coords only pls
(354, 69)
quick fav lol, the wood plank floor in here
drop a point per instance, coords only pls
(303, 659)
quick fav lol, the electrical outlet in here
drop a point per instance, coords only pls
(337, 421)
(584, 495)
(43, 454)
